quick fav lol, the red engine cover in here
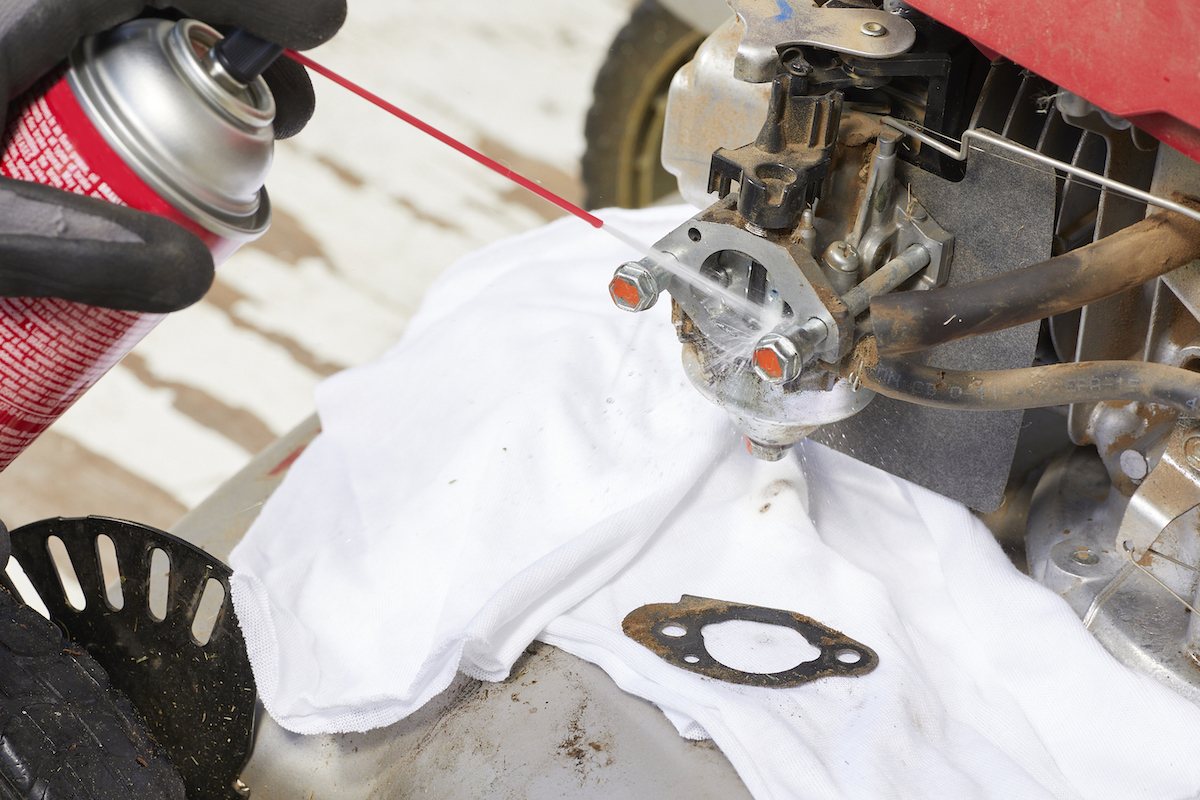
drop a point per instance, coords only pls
(1139, 59)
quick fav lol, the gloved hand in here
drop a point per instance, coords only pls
(57, 244)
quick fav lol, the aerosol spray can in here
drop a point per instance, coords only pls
(143, 116)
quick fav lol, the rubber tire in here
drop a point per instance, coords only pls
(622, 165)
(65, 733)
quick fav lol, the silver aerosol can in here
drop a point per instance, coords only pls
(145, 116)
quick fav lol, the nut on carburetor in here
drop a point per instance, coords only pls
(781, 355)
(777, 359)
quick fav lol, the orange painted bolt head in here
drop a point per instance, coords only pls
(767, 363)
(624, 293)
(776, 359)
(633, 287)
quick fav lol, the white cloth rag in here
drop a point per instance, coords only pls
(530, 462)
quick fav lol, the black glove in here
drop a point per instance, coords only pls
(58, 244)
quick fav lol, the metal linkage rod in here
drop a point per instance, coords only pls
(1004, 144)
(886, 278)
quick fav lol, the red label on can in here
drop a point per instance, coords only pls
(52, 351)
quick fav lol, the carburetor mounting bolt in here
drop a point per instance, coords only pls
(780, 356)
(766, 452)
(636, 285)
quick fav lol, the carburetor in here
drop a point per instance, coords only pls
(821, 219)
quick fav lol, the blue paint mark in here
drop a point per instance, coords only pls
(785, 12)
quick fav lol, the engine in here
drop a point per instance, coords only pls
(908, 242)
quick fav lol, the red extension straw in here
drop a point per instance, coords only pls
(471, 152)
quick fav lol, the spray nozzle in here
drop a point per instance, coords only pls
(244, 56)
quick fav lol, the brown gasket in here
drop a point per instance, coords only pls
(645, 626)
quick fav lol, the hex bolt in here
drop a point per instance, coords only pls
(873, 29)
(780, 356)
(766, 452)
(776, 359)
(636, 285)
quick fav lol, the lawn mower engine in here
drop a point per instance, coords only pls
(930, 218)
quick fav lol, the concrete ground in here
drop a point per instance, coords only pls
(368, 212)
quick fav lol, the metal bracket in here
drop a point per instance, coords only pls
(1170, 490)
(888, 224)
(774, 23)
(792, 273)
(908, 224)
(673, 631)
